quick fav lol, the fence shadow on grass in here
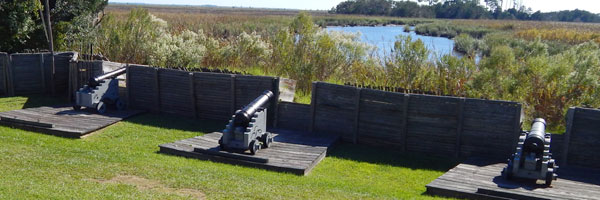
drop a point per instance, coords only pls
(44, 100)
(385, 156)
(178, 123)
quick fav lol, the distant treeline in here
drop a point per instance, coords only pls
(458, 9)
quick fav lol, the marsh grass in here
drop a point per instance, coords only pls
(547, 66)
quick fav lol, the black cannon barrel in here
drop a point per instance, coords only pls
(534, 142)
(244, 115)
(95, 81)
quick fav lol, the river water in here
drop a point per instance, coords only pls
(383, 37)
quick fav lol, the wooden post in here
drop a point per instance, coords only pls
(5, 73)
(275, 105)
(567, 137)
(313, 106)
(43, 78)
(10, 75)
(232, 88)
(70, 84)
(193, 95)
(404, 133)
(157, 89)
(459, 128)
(357, 97)
(516, 126)
(128, 85)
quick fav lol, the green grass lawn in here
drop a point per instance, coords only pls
(121, 161)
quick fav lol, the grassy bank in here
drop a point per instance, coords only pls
(121, 162)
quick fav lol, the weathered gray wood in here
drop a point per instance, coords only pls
(481, 179)
(128, 85)
(62, 120)
(404, 132)
(313, 106)
(294, 116)
(292, 152)
(193, 94)
(25, 122)
(459, 130)
(157, 90)
(10, 77)
(564, 161)
(233, 97)
(274, 106)
(42, 76)
(3, 73)
(356, 115)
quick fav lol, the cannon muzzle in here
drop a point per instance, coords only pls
(93, 82)
(536, 138)
(243, 116)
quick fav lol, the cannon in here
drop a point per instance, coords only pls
(247, 129)
(100, 91)
(533, 159)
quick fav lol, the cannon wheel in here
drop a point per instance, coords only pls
(266, 139)
(120, 104)
(101, 107)
(549, 177)
(76, 107)
(221, 145)
(507, 172)
(254, 146)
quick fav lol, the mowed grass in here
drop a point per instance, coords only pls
(122, 162)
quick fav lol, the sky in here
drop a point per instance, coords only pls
(543, 5)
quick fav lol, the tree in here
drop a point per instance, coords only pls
(17, 23)
(22, 28)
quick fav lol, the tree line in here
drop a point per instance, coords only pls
(459, 9)
(22, 23)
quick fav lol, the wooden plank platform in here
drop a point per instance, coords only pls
(62, 120)
(481, 179)
(293, 152)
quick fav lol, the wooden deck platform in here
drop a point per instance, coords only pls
(62, 120)
(481, 179)
(293, 152)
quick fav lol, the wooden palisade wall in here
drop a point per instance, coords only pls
(26, 73)
(195, 94)
(446, 126)
(581, 142)
(3, 71)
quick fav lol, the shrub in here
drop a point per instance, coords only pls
(465, 44)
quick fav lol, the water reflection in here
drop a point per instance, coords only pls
(383, 37)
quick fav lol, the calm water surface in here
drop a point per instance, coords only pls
(383, 37)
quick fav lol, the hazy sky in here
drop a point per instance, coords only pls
(543, 5)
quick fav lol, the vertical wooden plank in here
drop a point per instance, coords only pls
(567, 137)
(70, 83)
(43, 78)
(193, 94)
(357, 98)
(517, 126)
(11, 74)
(459, 129)
(232, 88)
(404, 133)
(275, 105)
(313, 105)
(157, 90)
(6, 72)
(128, 86)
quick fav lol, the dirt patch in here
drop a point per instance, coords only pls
(147, 184)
